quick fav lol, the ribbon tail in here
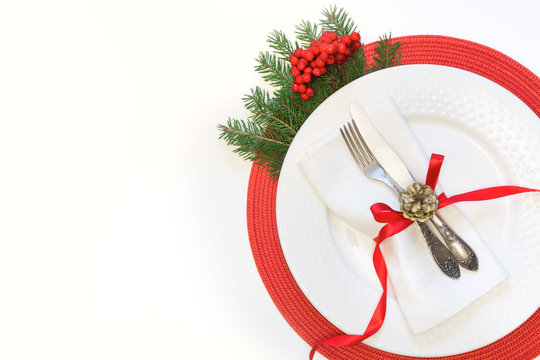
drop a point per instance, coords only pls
(377, 319)
(485, 194)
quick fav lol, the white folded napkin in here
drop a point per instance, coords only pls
(425, 295)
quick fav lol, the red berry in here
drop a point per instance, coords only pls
(294, 87)
(308, 70)
(330, 48)
(347, 51)
(323, 57)
(342, 47)
(325, 38)
(313, 63)
(310, 92)
(313, 43)
(333, 35)
(298, 79)
(316, 50)
(319, 63)
(340, 57)
(346, 39)
(357, 45)
(306, 78)
(323, 70)
(317, 71)
(298, 53)
(308, 55)
(331, 60)
(293, 59)
(295, 72)
(304, 96)
(301, 65)
(302, 88)
(355, 36)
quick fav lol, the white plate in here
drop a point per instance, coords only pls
(455, 113)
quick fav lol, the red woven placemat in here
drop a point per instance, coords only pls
(521, 344)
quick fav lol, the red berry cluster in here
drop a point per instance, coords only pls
(329, 49)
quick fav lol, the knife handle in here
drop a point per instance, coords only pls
(442, 256)
(459, 248)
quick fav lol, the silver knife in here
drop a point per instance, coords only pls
(397, 170)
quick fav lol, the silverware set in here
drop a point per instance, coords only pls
(362, 140)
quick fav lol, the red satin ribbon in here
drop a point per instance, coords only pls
(395, 223)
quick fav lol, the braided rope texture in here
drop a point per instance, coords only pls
(521, 344)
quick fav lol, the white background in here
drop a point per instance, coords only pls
(122, 217)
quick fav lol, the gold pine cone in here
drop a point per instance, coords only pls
(418, 202)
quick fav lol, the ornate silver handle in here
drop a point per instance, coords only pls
(440, 253)
(459, 248)
(442, 256)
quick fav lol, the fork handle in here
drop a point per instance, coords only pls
(459, 248)
(442, 256)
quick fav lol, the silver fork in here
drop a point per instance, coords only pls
(371, 168)
(462, 252)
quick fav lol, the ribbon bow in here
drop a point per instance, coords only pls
(395, 223)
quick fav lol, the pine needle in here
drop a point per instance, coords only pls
(356, 66)
(307, 32)
(337, 20)
(388, 52)
(274, 70)
(279, 42)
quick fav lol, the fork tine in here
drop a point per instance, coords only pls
(350, 146)
(367, 151)
(354, 144)
(358, 144)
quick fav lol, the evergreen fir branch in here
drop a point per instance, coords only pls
(257, 101)
(276, 116)
(279, 42)
(274, 70)
(388, 53)
(252, 142)
(307, 32)
(332, 79)
(284, 97)
(296, 114)
(323, 87)
(255, 143)
(275, 121)
(265, 111)
(356, 66)
(303, 107)
(273, 164)
(233, 136)
(243, 135)
(338, 21)
(322, 92)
